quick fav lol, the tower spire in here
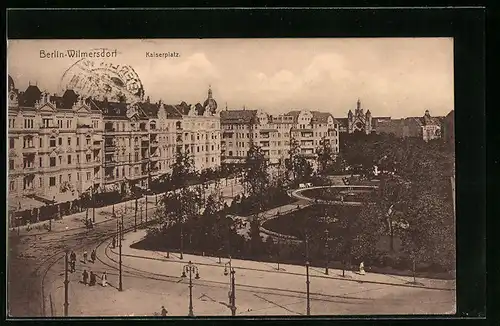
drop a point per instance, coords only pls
(209, 91)
(358, 104)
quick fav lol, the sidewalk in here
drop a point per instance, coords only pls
(102, 214)
(76, 221)
(255, 271)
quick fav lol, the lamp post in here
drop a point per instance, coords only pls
(146, 208)
(232, 297)
(190, 268)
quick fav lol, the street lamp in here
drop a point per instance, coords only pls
(120, 286)
(232, 297)
(190, 268)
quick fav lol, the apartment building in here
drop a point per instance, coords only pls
(63, 146)
(272, 134)
(55, 146)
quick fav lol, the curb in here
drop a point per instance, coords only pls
(293, 273)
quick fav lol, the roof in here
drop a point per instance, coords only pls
(172, 111)
(320, 117)
(238, 116)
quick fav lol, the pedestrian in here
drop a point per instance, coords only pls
(114, 242)
(73, 261)
(85, 257)
(164, 311)
(104, 279)
(92, 279)
(93, 256)
(362, 268)
(85, 276)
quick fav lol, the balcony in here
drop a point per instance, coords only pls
(83, 125)
(30, 168)
(110, 163)
(30, 150)
(109, 147)
(109, 178)
(154, 143)
(145, 138)
(109, 129)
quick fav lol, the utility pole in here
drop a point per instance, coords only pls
(122, 225)
(232, 297)
(66, 282)
(141, 214)
(93, 205)
(327, 256)
(120, 286)
(146, 209)
(182, 242)
(135, 216)
(308, 312)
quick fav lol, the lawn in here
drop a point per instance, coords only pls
(338, 194)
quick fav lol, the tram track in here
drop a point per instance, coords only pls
(88, 238)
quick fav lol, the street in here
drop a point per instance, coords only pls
(35, 257)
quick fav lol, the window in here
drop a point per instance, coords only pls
(212, 159)
(52, 142)
(11, 164)
(11, 142)
(230, 153)
(78, 176)
(69, 177)
(41, 143)
(212, 147)
(197, 149)
(40, 161)
(69, 141)
(40, 181)
(60, 160)
(60, 178)
(52, 181)
(88, 176)
(11, 123)
(88, 157)
(28, 123)
(47, 123)
(88, 140)
(69, 159)
(52, 161)
(12, 185)
(60, 141)
(77, 141)
(60, 123)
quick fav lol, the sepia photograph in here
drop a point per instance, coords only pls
(231, 177)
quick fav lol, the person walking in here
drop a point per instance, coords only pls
(85, 276)
(92, 279)
(164, 311)
(93, 256)
(362, 268)
(104, 279)
(114, 242)
(85, 257)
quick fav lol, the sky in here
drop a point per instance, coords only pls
(397, 77)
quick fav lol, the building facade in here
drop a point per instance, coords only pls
(55, 145)
(63, 146)
(273, 134)
(426, 127)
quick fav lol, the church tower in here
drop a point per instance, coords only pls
(359, 122)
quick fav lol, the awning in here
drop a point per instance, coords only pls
(62, 197)
(23, 203)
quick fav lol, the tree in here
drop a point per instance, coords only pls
(293, 155)
(182, 168)
(256, 173)
(430, 235)
(325, 155)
